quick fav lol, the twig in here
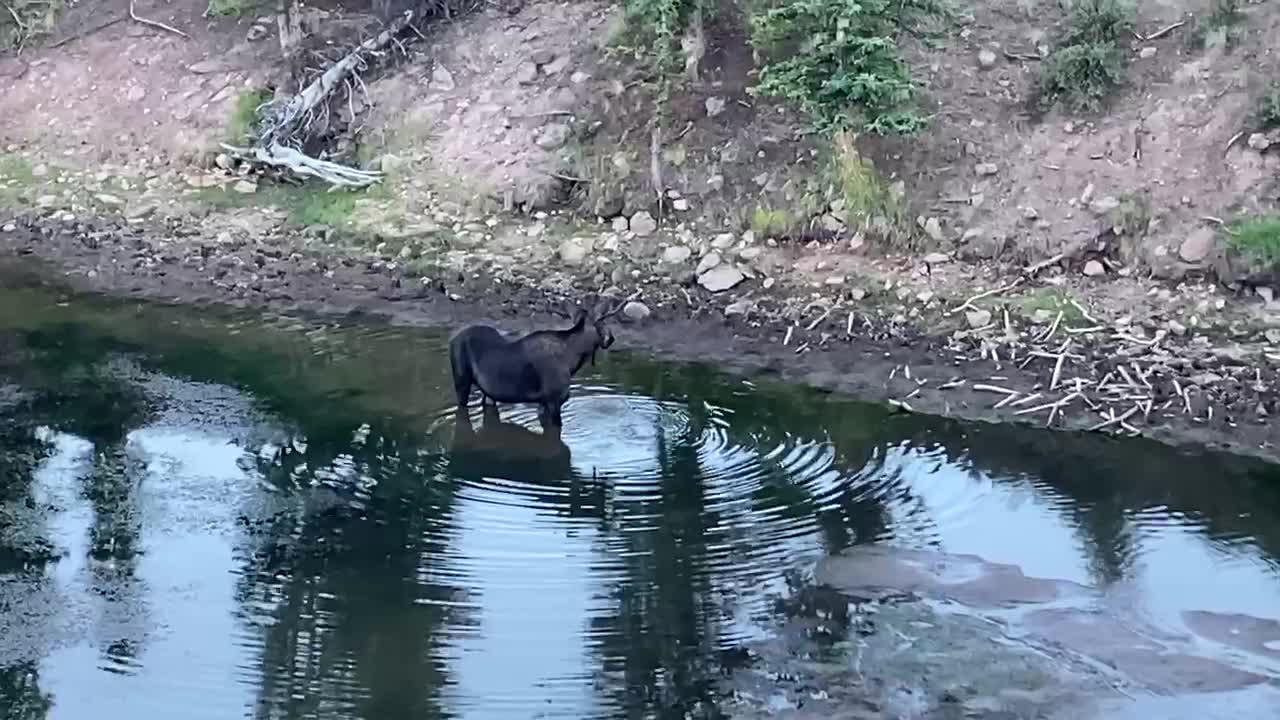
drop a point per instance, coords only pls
(1007, 399)
(1033, 269)
(154, 23)
(821, 317)
(786, 339)
(1026, 399)
(1114, 419)
(981, 295)
(21, 25)
(1165, 31)
(1052, 328)
(86, 33)
(1057, 367)
(281, 156)
(1231, 142)
(994, 388)
(1083, 313)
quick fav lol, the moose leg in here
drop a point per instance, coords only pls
(462, 379)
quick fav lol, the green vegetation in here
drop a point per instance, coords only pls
(1222, 26)
(1257, 238)
(1053, 300)
(233, 8)
(835, 60)
(244, 117)
(1133, 216)
(863, 196)
(1266, 114)
(24, 21)
(308, 204)
(769, 222)
(1092, 61)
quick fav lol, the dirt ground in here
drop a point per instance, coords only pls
(109, 172)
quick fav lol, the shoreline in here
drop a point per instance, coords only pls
(991, 371)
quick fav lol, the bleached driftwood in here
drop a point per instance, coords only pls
(333, 173)
(287, 124)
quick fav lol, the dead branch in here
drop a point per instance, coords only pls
(280, 156)
(153, 23)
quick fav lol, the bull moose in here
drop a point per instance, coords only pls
(535, 368)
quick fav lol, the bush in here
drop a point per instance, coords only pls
(654, 29)
(1092, 62)
(1267, 113)
(1257, 238)
(842, 66)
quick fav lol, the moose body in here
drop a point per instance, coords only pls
(535, 368)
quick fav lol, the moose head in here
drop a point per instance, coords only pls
(590, 328)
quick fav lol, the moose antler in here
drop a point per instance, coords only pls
(618, 308)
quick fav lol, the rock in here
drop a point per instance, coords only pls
(556, 66)
(749, 253)
(933, 228)
(986, 169)
(1104, 205)
(9, 227)
(1093, 268)
(741, 307)
(1087, 195)
(526, 73)
(986, 59)
(223, 161)
(643, 224)
(1042, 316)
(47, 200)
(1197, 246)
(245, 186)
(542, 56)
(553, 136)
(722, 241)
(709, 261)
(256, 33)
(714, 105)
(721, 278)
(924, 296)
(1030, 213)
(442, 79)
(106, 199)
(572, 252)
(1147, 53)
(834, 280)
(579, 77)
(680, 205)
(636, 310)
(937, 258)
(1177, 328)
(135, 93)
(831, 223)
(1259, 142)
(40, 170)
(978, 318)
(857, 294)
(620, 224)
(676, 254)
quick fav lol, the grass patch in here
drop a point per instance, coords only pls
(308, 204)
(234, 8)
(1133, 216)
(770, 222)
(1092, 62)
(1053, 301)
(864, 198)
(1222, 26)
(1266, 114)
(17, 169)
(1257, 238)
(244, 117)
(22, 22)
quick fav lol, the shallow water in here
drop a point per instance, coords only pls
(217, 515)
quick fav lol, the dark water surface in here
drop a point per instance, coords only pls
(217, 516)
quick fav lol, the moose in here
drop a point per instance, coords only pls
(535, 368)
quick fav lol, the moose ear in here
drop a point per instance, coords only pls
(579, 319)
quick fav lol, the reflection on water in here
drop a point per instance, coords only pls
(221, 516)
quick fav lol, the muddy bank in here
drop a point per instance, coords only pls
(1216, 392)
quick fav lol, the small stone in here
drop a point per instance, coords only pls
(709, 261)
(1104, 205)
(768, 283)
(1041, 316)
(223, 161)
(636, 310)
(1266, 293)
(643, 224)
(1087, 195)
(937, 258)
(924, 296)
(680, 205)
(978, 318)
(857, 294)
(676, 254)
(1259, 142)
(986, 59)
(46, 200)
(1197, 246)
(723, 241)
(1030, 213)
(714, 105)
(135, 93)
(109, 199)
(1177, 328)
(749, 253)
(245, 186)
(441, 78)
(835, 280)
(579, 77)
(741, 307)
(721, 278)
(933, 228)
(557, 66)
(40, 170)
(1093, 268)
(831, 223)
(526, 73)
(1147, 53)
(553, 136)
(9, 227)
(986, 169)
(572, 252)
(620, 224)
(256, 33)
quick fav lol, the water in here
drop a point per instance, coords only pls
(216, 515)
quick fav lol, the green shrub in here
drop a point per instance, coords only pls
(1266, 114)
(839, 61)
(1257, 238)
(1092, 62)
(1221, 25)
